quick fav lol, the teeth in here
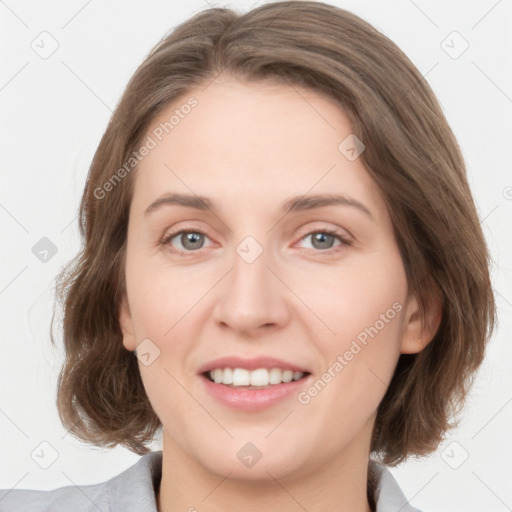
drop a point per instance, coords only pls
(217, 376)
(257, 378)
(240, 377)
(227, 376)
(275, 376)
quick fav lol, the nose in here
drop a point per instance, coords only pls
(251, 299)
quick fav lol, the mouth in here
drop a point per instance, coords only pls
(260, 378)
(253, 391)
(252, 384)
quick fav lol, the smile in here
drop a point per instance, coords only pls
(259, 378)
(245, 397)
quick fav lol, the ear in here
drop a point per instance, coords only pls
(417, 334)
(126, 324)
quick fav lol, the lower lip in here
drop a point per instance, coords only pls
(253, 400)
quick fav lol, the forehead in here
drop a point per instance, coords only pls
(254, 140)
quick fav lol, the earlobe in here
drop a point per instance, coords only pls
(417, 334)
(125, 322)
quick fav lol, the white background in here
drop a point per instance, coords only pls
(53, 113)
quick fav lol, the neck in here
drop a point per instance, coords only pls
(340, 485)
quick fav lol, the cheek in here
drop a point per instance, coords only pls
(159, 297)
(364, 306)
(161, 304)
(360, 300)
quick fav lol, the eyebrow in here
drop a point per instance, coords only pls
(295, 204)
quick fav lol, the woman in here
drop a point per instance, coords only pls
(283, 268)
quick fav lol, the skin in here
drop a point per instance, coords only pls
(249, 148)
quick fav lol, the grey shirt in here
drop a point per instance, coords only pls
(134, 490)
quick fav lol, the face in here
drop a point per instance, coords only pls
(267, 271)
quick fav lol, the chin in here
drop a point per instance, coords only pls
(254, 458)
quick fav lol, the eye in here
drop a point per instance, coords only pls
(323, 239)
(193, 241)
(190, 241)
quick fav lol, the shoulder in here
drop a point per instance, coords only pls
(64, 498)
(131, 490)
(83, 498)
(388, 495)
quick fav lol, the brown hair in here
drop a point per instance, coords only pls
(411, 153)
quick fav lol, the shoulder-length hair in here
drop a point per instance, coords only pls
(410, 152)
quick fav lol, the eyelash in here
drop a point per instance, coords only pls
(344, 241)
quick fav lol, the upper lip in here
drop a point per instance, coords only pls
(250, 364)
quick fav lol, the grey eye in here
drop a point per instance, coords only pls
(322, 240)
(192, 240)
